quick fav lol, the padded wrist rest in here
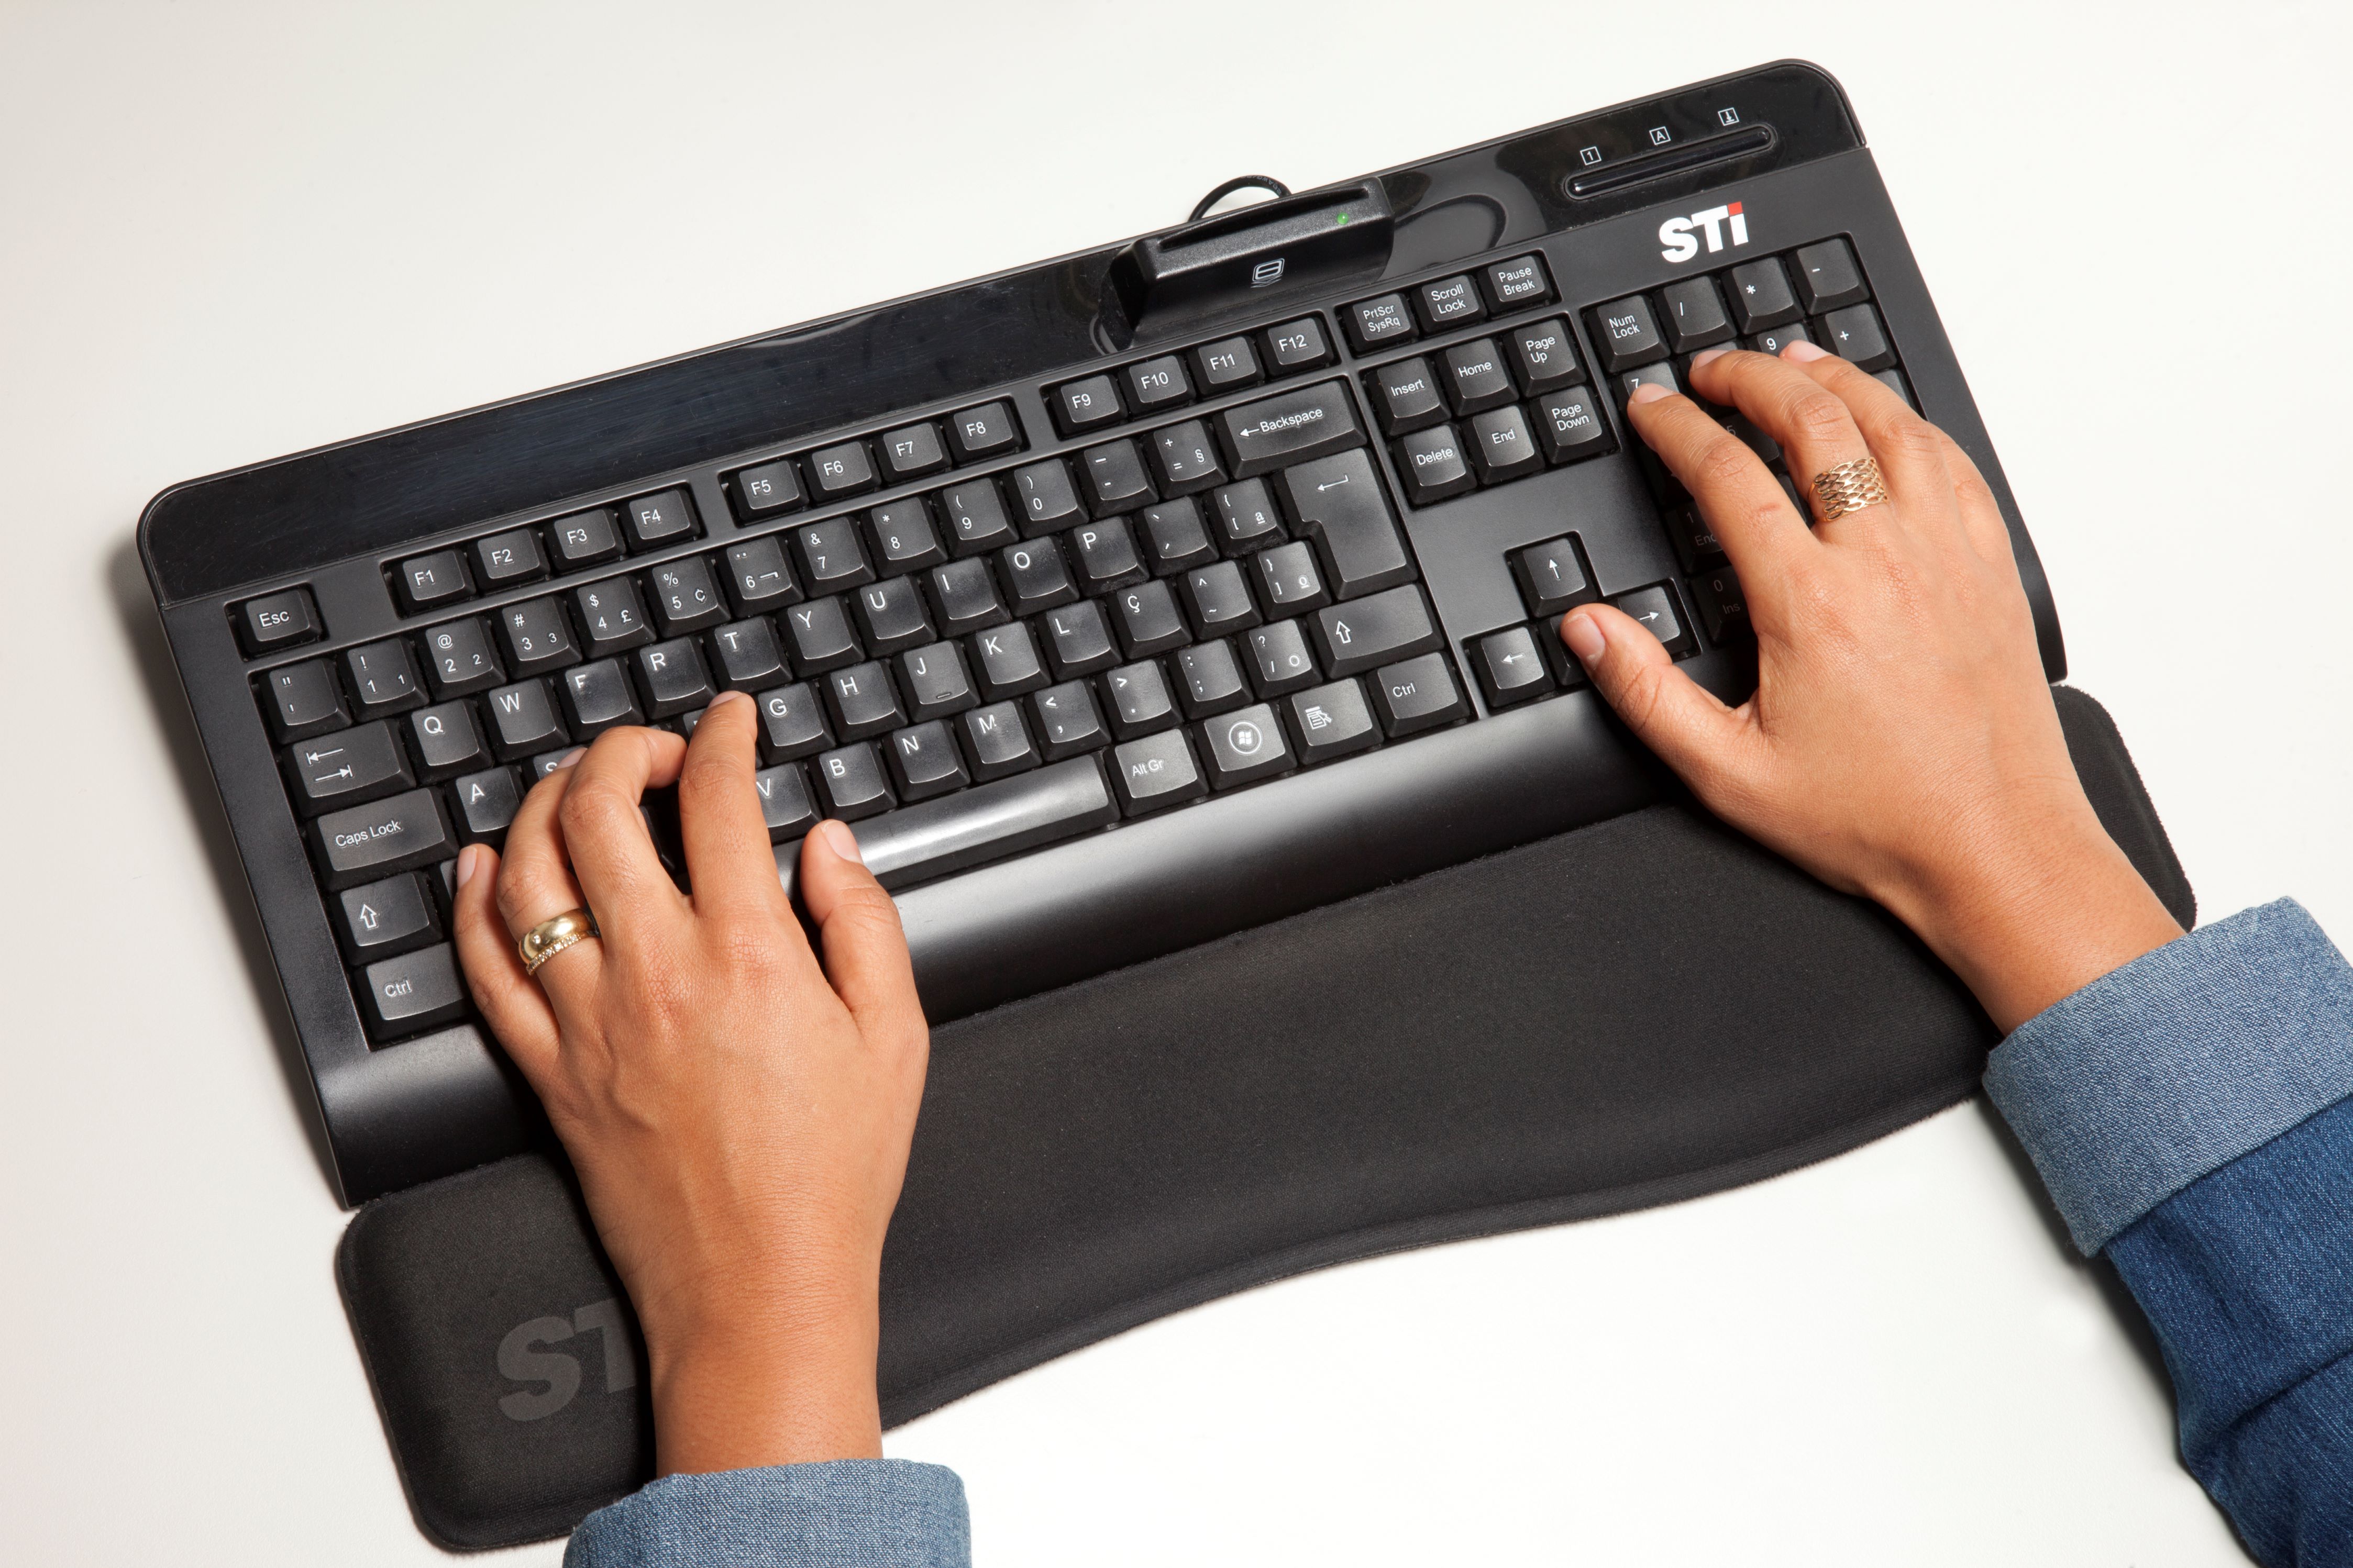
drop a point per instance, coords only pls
(1638, 1012)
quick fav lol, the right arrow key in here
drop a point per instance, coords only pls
(1655, 607)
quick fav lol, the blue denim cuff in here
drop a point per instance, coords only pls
(847, 1513)
(2179, 1063)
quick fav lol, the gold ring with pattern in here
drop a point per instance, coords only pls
(549, 937)
(1850, 487)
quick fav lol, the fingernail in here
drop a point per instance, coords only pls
(1584, 638)
(841, 840)
(1804, 352)
(726, 697)
(470, 860)
(1649, 392)
(572, 756)
(1705, 355)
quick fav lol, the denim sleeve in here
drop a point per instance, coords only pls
(2192, 1114)
(849, 1513)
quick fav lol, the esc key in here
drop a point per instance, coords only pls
(277, 620)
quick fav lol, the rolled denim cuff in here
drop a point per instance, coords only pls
(846, 1513)
(2176, 1064)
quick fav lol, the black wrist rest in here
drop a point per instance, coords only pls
(1635, 1013)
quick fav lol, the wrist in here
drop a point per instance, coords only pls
(747, 1379)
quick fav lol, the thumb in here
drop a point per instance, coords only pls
(857, 926)
(1690, 729)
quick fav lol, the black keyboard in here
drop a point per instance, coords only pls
(1122, 602)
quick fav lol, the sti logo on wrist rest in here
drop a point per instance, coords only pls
(1675, 234)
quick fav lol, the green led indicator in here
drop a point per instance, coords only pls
(1341, 219)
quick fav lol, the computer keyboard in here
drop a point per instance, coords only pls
(1121, 602)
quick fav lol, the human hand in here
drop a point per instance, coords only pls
(1902, 742)
(739, 1116)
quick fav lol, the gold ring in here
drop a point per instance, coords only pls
(549, 937)
(1850, 487)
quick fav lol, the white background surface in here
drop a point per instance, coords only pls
(229, 231)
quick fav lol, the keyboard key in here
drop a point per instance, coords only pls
(758, 579)
(832, 556)
(820, 635)
(523, 721)
(1628, 334)
(936, 682)
(1568, 426)
(982, 824)
(925, 761)
(1511, 667)
(1035, 576)
(1185, 460)
(1148, 620)
(583, 539)
(1475, 377)
(1157, 383)
(404, 833)
(1289, 427)
(976, 519)
(1105, 556)
(1655, 607)
(1090, 404)
(653, 522)
(1226, 363)
(672, 676)
(1279, 659)
(1289, 581)
(382, 679)
(1447, 303)
(1515, 284)
(1406, 397)
(997, 742)
(1246, 518)
(1761, 296)
(1176, 538)
(1434, 466)
(1246, 746)
(686, 599)
(440, 578)
(862, 701)
(785, 806)
(1894, 381)
(983, 432)
(411, 993)
(1502, 447)
(611, 616)
(1046, 497)
(1138, 699)
(1417, 694)
(1298, 346)
(1695, 540)
(1077, 639)
(1210, 679)
(445, 741)
(1740, 425)
(1695, 312)
(891, 615)
(458, 659)
(1156, 772)
(1006, 659)
(769, 488)
(487, 804)
(903, 537)
(274, 621)
(597, 698)
(1544, 357)
(1827, 278)
(383, 918)
(1647, 375)
(1217, 598)
(845, 470)
(305, 700)
(851, 783)
(1067, 720)
(1337, 505)
(1551, 578)
(1855, 335)
(792, 723)
(1373, 630)
(1115, 479)
(1773, 339)
(364, 762)
(912, 451)
(965, 595)
(1723, 608)
(1331, 721)
(1372, 322)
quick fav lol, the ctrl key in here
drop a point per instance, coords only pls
(411, 993)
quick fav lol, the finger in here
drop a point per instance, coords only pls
(516, 1010)
(1909, 450)
(605, 834)
(1704, 741)
(728, 856)
(1982, 520)
(535, 883)
(1813, 424)
(857, 926)
(1740, 499)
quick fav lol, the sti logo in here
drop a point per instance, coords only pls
(1681, 245)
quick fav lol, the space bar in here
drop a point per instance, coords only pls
(985, 823)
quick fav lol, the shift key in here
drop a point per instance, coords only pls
(1291, 427)
(1377, 629)
(402, 834)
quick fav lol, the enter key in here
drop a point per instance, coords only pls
(1337, 502)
